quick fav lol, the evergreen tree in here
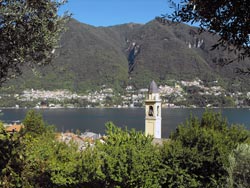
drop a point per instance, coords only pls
(33, 123)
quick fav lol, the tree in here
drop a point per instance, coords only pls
(126, 159)
(12, 158)
(239, 168)
(174, 157)
(197, 155)
(33, 123)
(49, 162)
(29, 32)
(229, 19)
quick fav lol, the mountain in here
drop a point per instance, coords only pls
(90, 57)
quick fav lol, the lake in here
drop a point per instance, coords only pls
(94, 119)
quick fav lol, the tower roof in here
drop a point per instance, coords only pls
(153, 88)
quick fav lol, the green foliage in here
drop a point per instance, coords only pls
(198, 152)
(89, 170)
(33, 123)
(202, 100)
(50, 163)
(239, 168)
(174, 155)
(99, 57)
(29, 32)
(12, 157)
(126, 159)
(201, 153)
(35, 158)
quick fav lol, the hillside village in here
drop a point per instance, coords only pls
(178, 94)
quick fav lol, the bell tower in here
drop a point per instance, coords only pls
(153, 112)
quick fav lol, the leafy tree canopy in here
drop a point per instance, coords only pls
(230, 19)
(126, 159)
(12, 156)
(29, 31)
(239, 168)
(197, 155)
(201, 153)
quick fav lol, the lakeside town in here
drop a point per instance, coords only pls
(82, 139)
(177, 94)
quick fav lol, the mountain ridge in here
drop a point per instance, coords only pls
(131, 54)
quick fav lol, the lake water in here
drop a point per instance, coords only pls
(94, 119)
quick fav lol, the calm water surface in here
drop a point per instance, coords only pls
(94, 119)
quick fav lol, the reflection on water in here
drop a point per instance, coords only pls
(94, 119)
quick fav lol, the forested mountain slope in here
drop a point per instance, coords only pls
(116, 56)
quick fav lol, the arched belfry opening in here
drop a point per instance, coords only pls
(153, 111)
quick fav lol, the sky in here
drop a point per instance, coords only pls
(113, 12)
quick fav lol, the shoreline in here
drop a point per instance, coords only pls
(177, 107)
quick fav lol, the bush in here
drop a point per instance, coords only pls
(198, 152)
(126, 159)
(239, 169)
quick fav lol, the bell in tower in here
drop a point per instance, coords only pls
(153, 112)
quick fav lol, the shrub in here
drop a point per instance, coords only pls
(239, 168)
(198, 152)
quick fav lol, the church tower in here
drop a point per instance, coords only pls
(153, 112)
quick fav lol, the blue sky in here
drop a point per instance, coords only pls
(112, 12)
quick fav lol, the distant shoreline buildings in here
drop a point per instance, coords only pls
(176, 94)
